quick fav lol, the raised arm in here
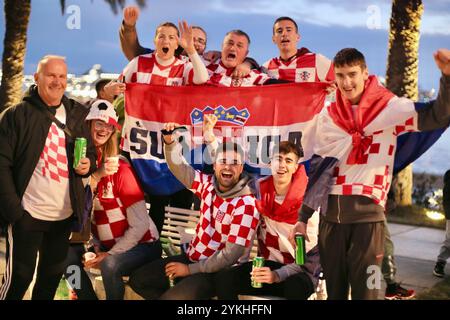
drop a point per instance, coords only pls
(177, 164)
(437, 115)
(129, 41)
(187, 42)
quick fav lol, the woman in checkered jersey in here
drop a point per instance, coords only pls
(124, 235)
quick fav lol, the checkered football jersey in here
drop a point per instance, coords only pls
(305, 66)
(47, 194)
(146, 69)
(219, 75)
(373, 175)
(221, 220)
(109, 221)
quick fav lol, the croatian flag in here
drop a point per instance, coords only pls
(255, 117)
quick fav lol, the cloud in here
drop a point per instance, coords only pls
(351, 14)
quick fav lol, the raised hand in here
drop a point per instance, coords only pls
(130, 15)
(186, 37)
(169, 126)
(442, 59)
(209, 121)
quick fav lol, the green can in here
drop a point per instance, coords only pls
(300, 252)
(80, 151)
(258, 262)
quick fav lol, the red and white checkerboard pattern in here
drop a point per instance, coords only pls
(146, 69)
(54, 155)
(373, 176)
(273, 238)
(109, 222)
(221, 76)
(304, 67)
(222, 220)
(273, 243)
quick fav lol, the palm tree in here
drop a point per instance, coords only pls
(402, 71)
(17, 15)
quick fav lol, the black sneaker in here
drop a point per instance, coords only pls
(395, 291)
(438, 270)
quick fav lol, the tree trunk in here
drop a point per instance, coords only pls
(402, 71)
(17, 14)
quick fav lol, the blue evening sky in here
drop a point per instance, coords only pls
(325, 27)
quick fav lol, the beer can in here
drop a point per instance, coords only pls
(80, 151)
(258, 262)
(300, 252)
(171, 282)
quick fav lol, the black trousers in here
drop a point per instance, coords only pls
(181, 199)
(351, 255)
(234, 281)
(25, 239)
(150, 281)
(85, 291)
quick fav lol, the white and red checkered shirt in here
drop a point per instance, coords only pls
(305, 66)
(222, 220)
(146, 69)
(219, 75)
(372, 175)
(273, 238)
(47, 195)
(109, 221)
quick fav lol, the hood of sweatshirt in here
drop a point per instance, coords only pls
(245, 186)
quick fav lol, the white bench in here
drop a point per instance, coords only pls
(179, 228)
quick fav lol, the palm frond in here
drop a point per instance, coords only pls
(63, 6)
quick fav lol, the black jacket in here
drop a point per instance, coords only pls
(23, 132)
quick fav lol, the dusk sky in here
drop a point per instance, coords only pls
(325, 27)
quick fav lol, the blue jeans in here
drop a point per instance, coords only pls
(116, 266)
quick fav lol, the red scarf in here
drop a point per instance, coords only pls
(288, 210)
(374, 99)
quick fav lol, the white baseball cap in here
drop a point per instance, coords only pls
(103, 110)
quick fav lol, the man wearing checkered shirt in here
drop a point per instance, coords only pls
(223, 234)
(355, 148)
(295, 65)
(42, 193)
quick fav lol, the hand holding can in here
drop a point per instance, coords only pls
(79, 151)
(258, 262)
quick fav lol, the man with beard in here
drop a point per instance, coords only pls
(225, 230)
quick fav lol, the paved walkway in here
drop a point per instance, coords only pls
(416, 249)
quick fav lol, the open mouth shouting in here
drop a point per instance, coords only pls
(231, 56)
(165, 50)
(226, 175)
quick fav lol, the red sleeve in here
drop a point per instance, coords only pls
(127, 185)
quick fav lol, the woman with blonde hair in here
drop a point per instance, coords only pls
(124, 235)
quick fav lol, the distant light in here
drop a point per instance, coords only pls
(434, 215)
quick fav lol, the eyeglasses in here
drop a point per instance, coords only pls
(200, 41)
(100, 125)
